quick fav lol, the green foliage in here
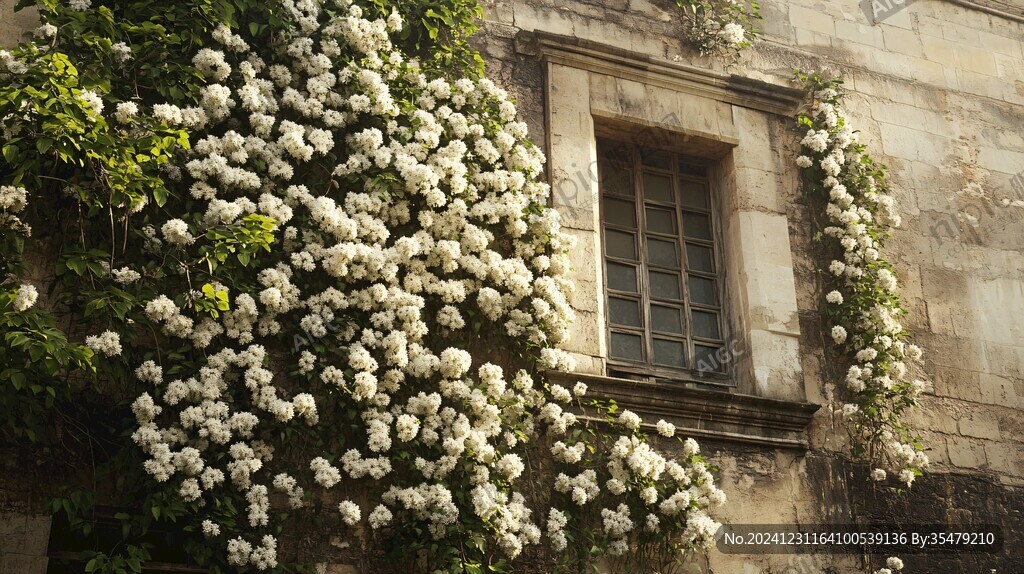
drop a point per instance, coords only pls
(96, 189)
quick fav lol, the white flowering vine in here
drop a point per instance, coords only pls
(863, 304)
(720, 25)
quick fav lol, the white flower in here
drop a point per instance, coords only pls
(13, 198)
(894, 563)
(176, 232)
(878, 475)
(834, 297)
(26, 297)
(804, 161)
(45, 31)
(579, 389)
(629, 419)
(125, 275)
(839, 334)
(122, 52)
(380, 517)
(666, 429)
(350, 513)
(210, 529)
(907, 476)
(79, 5)
(107, 343)
(732, 33)
(92, 101)
(125, 111)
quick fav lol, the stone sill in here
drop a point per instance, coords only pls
(717, 415)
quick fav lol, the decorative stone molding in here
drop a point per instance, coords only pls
(699, 413)
(613, 61)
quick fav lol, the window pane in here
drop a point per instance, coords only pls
(618, 182)
(666, 319)
(624, 311)
(661, 220)
(657, 187)
(696, 225)
(692, 194)
(622, 277)
(702, 290)
(692, 169)
(658, 159)
(705, 325)
(669, 353)
(699, 258)
(627, 346)
(662, 253)
(620, 244)
(612, 152)
(707, 359)
(620, 212)
(664, 285)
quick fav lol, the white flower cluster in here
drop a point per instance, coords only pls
(860, 212)
(441, 226)
(26, 297)
(107, 343)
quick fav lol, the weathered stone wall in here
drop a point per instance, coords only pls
(937, 92)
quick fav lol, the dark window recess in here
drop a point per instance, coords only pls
(662, 269)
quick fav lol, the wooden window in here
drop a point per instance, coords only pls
(662, 265)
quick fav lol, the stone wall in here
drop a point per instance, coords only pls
(937, 92)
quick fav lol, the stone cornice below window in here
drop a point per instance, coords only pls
(699, 413)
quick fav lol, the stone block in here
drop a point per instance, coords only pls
(810, 19)
(965, 452)
(979, 424)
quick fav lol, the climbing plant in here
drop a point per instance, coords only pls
(862, 305)
(301, 250)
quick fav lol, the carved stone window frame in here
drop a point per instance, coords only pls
(593, 88)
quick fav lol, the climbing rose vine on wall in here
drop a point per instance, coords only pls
(863, 307)
(348, 293)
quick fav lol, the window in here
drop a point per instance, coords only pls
(661, 259)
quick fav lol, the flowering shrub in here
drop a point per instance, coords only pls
(319, 264)
(863, 307)
(720, 25)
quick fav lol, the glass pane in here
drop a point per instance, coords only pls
(620, 212)
(624, 311)
(693, 194)
(622, 277)
(705, 325)
(699, 258)
(658, 159)
(702, 290)
(613, 152)
(662, 253)
(669, 353)
(708, 359)
(661, 220)
(620, 244)
(618, 181)
(692, 169)
(657, 187)
(666, 319)
(627, 346)
(697, 225)
(664, 285)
